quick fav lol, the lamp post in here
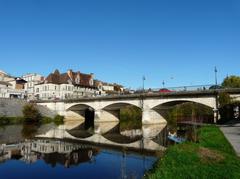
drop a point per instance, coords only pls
(216, 114)
(143, 90)
(215, 71)
(143, 80)
(163, 83)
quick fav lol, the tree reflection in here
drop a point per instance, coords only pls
(29, 130)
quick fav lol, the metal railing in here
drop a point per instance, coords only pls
(180, 89)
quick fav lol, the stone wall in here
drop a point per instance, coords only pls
(13, 108)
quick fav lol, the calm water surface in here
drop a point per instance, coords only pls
(74, 151)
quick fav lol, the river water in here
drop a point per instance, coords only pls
(74, 151)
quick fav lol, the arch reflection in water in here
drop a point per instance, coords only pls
(147, 138)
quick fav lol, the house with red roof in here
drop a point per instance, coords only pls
(67, 85)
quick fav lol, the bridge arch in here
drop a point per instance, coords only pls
(81, 112)
(208, 101)
(79, 106)
(119, 104)
(115, 108)
(163, 108)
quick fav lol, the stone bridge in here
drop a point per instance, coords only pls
(106, 109)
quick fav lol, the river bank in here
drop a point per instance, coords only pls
(14, 108)
(211, 157)
(11, 112)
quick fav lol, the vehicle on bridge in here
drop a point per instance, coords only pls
(215, 87)
(165, 90)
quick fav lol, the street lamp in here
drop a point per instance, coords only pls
(215, 70)
(143, 79)
(163, 83)
(216, 112)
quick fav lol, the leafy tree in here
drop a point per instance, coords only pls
(224, 99)
(189, 111)
(130, 118)
(231, 82)
(31, 113)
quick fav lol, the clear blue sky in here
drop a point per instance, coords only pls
(179, 41)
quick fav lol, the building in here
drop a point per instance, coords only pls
(17, 83)
(4, 89)
(2, 75)
(11, 87)
(16, 89)
(5, 77)
(67, 85)
(110, 88)
(32, 79)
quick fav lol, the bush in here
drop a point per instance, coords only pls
(31, 113)
(224, 99)
(130, 118)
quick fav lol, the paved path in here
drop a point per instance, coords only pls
(232, 133)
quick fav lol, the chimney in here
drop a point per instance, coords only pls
(70, 74)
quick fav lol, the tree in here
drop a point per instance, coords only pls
(224, 99)
(231, 82)
(31, 113)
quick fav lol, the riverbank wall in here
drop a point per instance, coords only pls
(13, 108)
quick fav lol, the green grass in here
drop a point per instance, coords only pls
(213, 157)
(211, 137)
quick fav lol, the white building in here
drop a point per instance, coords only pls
(68, 85)
(32, 80)
(4, 87)
(11, 87)
(7, 91)
(114, 88)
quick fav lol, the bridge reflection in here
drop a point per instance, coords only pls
(149, 137)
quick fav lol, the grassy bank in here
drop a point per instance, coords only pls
(212, 157)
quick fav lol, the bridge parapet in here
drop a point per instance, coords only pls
(171, 94)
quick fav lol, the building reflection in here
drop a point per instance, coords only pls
(48, 142)
(53, 152)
